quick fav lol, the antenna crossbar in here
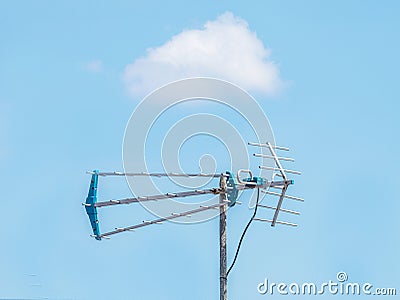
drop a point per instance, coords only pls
(215, 191)
(282, 209)
(266, 145)
(171, 174)
(286, 196)
(157, 197)
(270, 156)
(160, 220)
(277, 222)
(279, 169)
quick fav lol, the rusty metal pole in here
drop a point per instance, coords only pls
(223, 281)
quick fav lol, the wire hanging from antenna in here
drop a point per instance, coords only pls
(244, 232)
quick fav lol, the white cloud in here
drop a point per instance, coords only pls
(225, 48)
(94, 66)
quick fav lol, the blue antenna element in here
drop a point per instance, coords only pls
(232, 191)
(90, 207)
(259, 181)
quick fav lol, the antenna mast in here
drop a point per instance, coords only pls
(223, 280)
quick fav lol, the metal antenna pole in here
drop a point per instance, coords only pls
(222, 240)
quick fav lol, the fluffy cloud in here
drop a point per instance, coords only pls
(225, 48)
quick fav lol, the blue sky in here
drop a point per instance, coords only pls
(64, 107)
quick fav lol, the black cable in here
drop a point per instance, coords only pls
(244, 232)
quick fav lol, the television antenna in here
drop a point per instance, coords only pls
(228, 190)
